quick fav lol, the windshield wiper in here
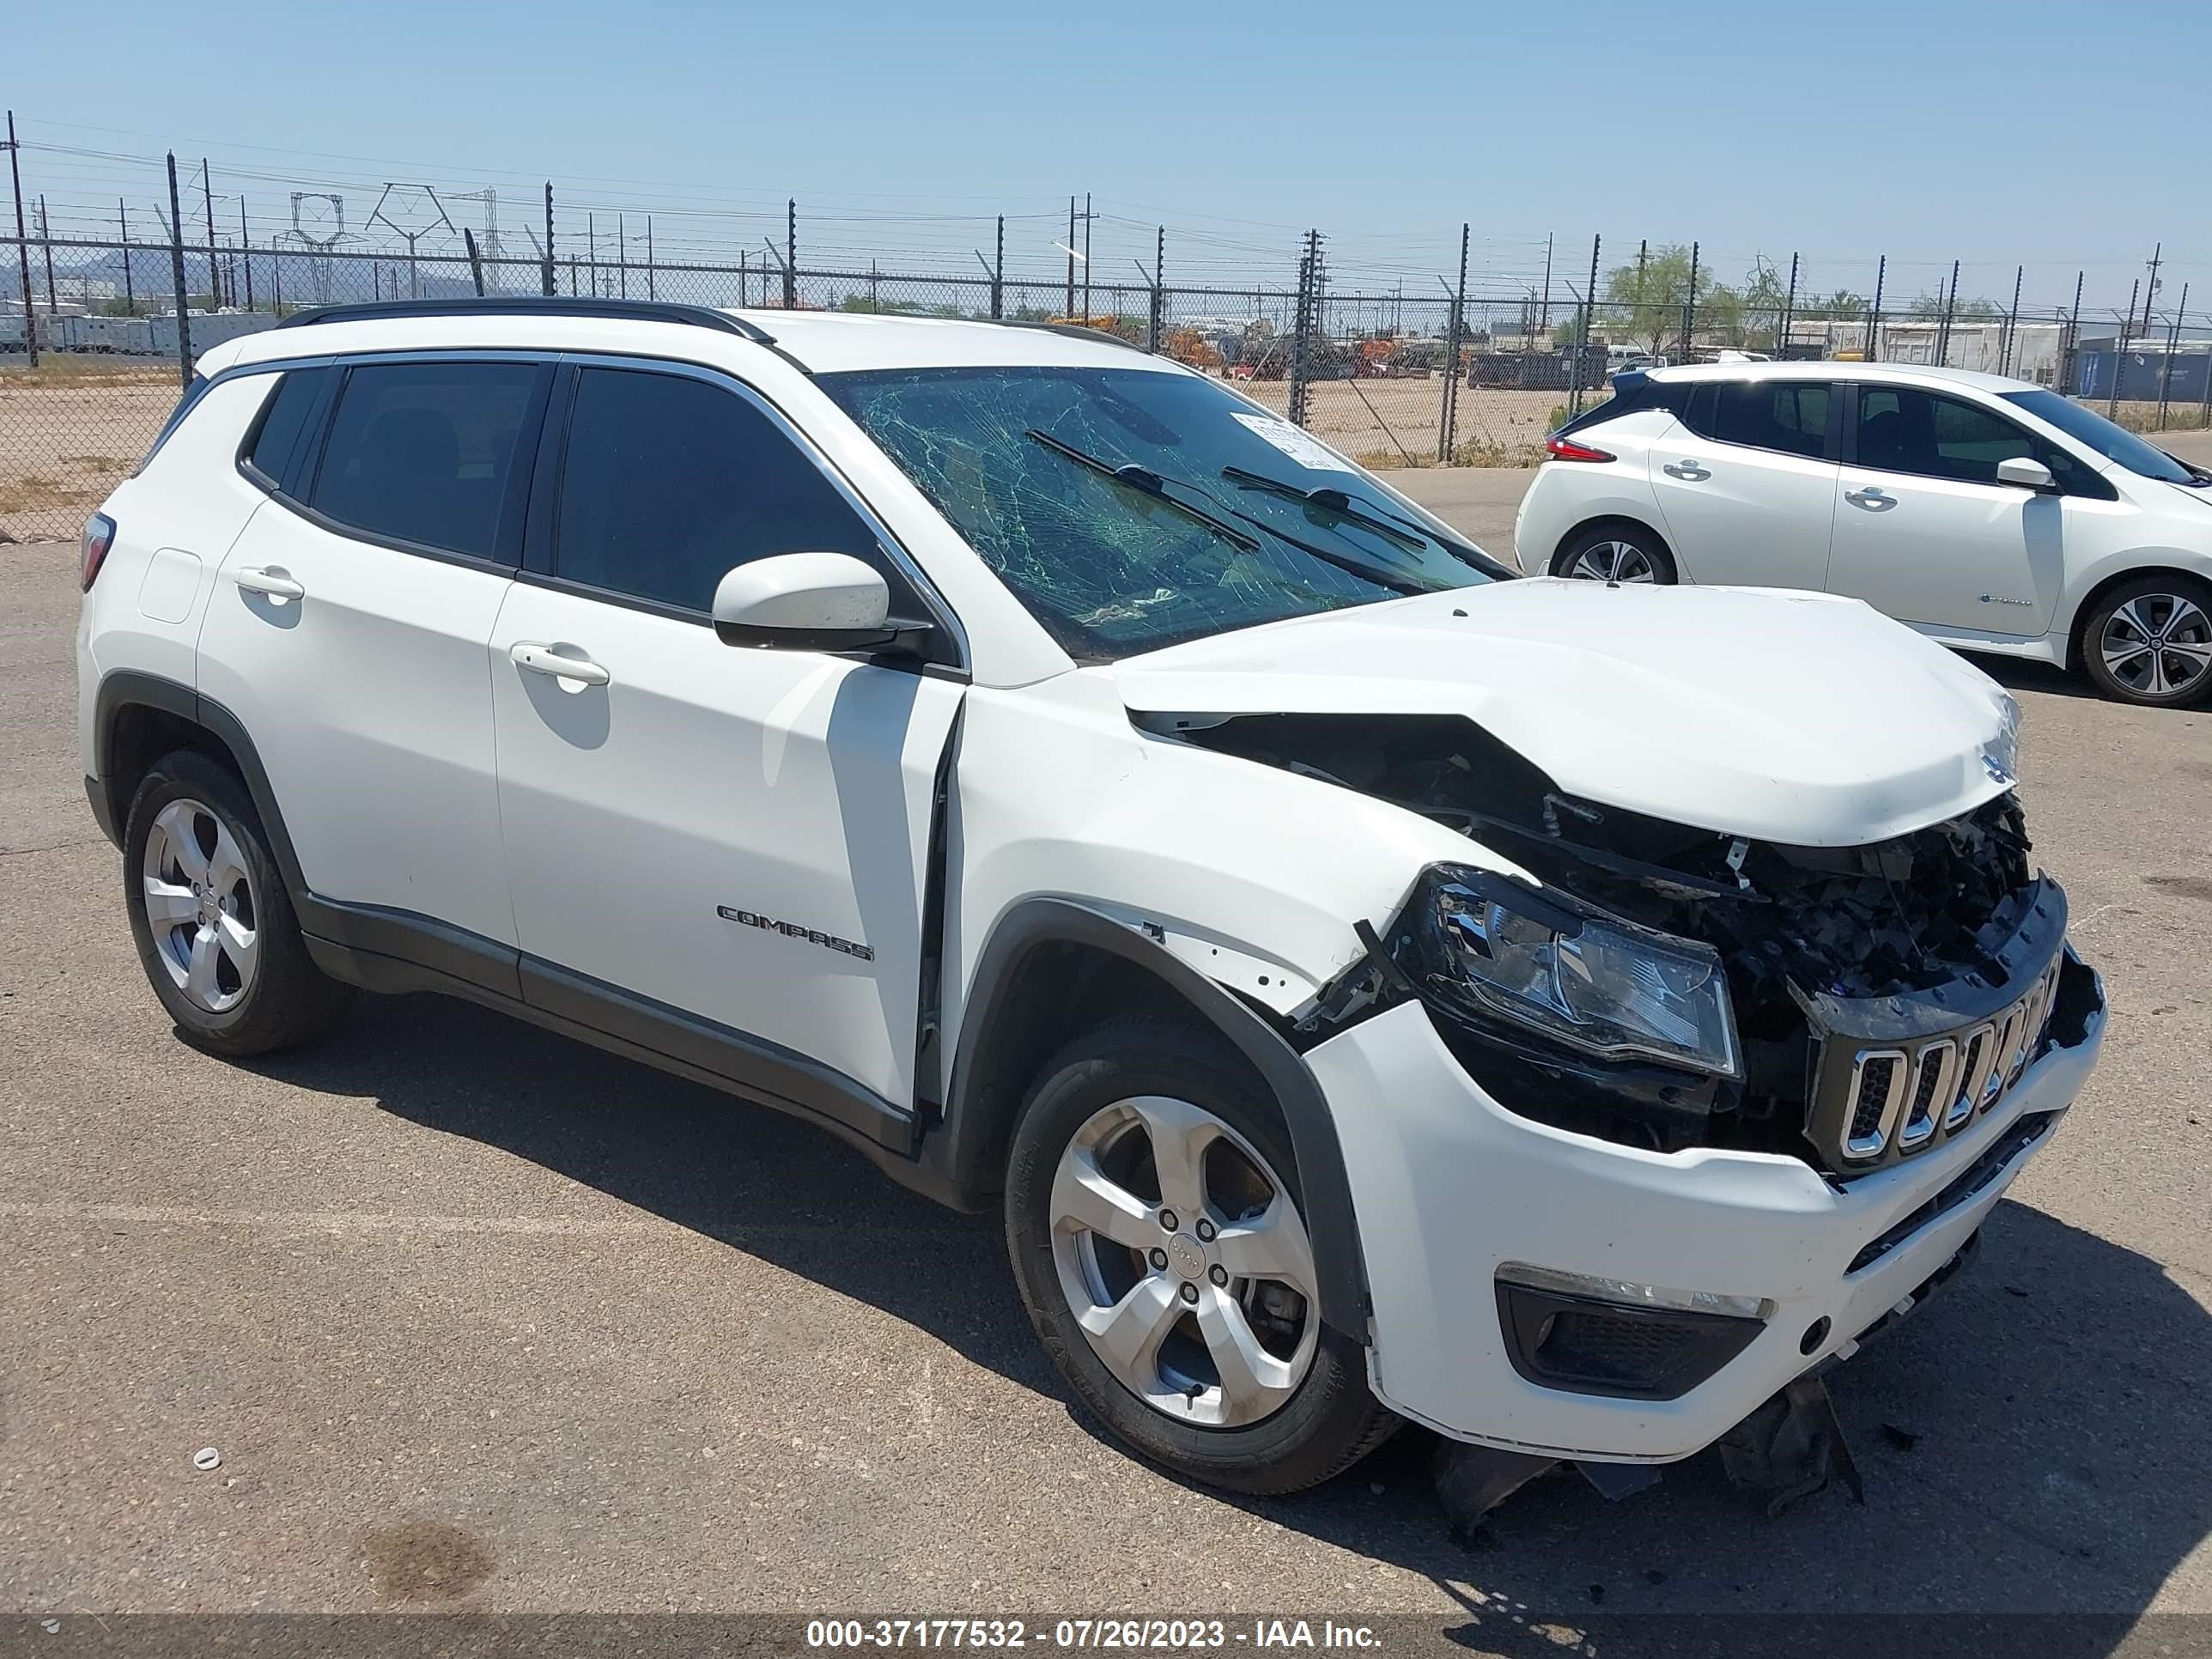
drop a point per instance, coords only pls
(1404, 532)
(1151, 484)
(1391, 528)
(1365, 570)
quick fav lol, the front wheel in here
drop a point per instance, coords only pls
(1157, 1236)
(2149, 641)
(1616, 553)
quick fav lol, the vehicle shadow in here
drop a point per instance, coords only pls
(2037, 1442)
(2018, 674)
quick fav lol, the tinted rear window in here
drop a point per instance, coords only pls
(275, 446)
(1788, 416)
(425, 453)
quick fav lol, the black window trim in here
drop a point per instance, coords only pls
(306, 464)
(537, 551)
(2029, 438)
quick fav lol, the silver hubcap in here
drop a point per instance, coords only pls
(200, 907)
(2159, 645)
(1612, 562)
(1185, 1261)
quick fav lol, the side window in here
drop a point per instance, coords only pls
(1698, 412)
(1789, 415)
(1902, 430)
(426, 452)
(283, 420)
(669, 481)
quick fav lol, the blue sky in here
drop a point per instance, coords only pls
(1996, 134)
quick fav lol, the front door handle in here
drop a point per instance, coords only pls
(1688, 470)
(538, 659)
(272, 579)
(1873, 498)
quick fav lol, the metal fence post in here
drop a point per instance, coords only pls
(2165, 371)
(791, 254)
(551, 286)
(177, 272)
(123, 223)
(2012, 323)
(1788, 316)
(999, 273)
(1447, 425)
(276, 275)
(2070, 355)
(2120, 353)
(1873, 316)
(46, 245)
(1159, 298)
(476, 264)
(1690, 305)
(22, 245)
(1943, 331)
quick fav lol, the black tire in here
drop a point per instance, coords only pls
(2153, 599)
(289, 1000)
(1331, 1421)
(1580, 554)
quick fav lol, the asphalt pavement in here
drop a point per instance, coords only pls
(478, 1318)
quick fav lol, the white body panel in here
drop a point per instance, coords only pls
(788, 784)
(369, 699)
(1736, 515)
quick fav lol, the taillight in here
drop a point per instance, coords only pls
(1566, 449)
(92, 547)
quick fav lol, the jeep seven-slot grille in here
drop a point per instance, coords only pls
(1909, 1095)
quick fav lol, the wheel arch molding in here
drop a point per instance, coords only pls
(997, 1055)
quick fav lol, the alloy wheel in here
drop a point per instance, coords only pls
(200, 906)
(1185, 1261)
(1612, 562)
(2158, 645)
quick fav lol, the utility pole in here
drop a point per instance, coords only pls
(621, 256)
(246, 250)
(1643, 249)
(591, 238)
(207, 197)
(1087, 216)
(2149, 293)
(22, 243)
(1068, 310)
(123, 223)
(177, 272)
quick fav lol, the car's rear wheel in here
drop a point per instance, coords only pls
(210, 914)
(1616, 552)
(2149, 641)
(1155, 1227)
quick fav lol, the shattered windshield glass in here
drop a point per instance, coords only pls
(1130, 509)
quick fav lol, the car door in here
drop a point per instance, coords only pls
(1745, 481)
(1926, 533)
(733, 834)
(350, 623)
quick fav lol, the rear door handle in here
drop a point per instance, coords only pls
(538, 659)
(1686, 470)
(272, 579)
(1873, 498)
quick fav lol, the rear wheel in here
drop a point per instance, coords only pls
(1157, 1235)
(1616, 552)
(210, 917)
(2149, 641)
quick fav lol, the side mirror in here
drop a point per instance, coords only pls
(2027, 474)
(808, 602)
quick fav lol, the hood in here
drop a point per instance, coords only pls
(1779, 716)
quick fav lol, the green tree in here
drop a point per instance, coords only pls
(1929, 308)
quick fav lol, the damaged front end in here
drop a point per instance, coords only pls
(1670, 987)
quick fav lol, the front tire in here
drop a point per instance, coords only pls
(211, 919)
(2149, 641)
(1616, 552)
(1155, 1227)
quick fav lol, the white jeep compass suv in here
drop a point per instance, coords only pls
(1569, 1016)
(1989, 513)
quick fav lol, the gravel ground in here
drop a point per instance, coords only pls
(478, 1318)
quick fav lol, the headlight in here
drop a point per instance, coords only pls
(2001, 753)
(1592, 982)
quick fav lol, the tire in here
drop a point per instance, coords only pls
(1596, 553)
(2127, 642)
(1317, 1418)
(260, 991)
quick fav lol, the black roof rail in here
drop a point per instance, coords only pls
(537, 304)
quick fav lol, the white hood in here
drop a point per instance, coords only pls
(1778, 716)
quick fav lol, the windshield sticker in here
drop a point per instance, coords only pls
(1307, 451)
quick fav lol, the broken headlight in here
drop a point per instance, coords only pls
(1579, 976)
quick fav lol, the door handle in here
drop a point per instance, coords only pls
(272, 579)
(1873, 498)
(1687, 470)
(538, 659)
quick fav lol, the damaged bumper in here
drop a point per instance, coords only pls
(1480, 1225)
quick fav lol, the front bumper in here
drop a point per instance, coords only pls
(1448, 1185)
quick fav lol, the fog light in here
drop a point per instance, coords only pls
(1630, 1294)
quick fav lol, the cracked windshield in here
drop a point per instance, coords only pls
(1130, 509)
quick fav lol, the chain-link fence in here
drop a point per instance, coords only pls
(98, 336)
